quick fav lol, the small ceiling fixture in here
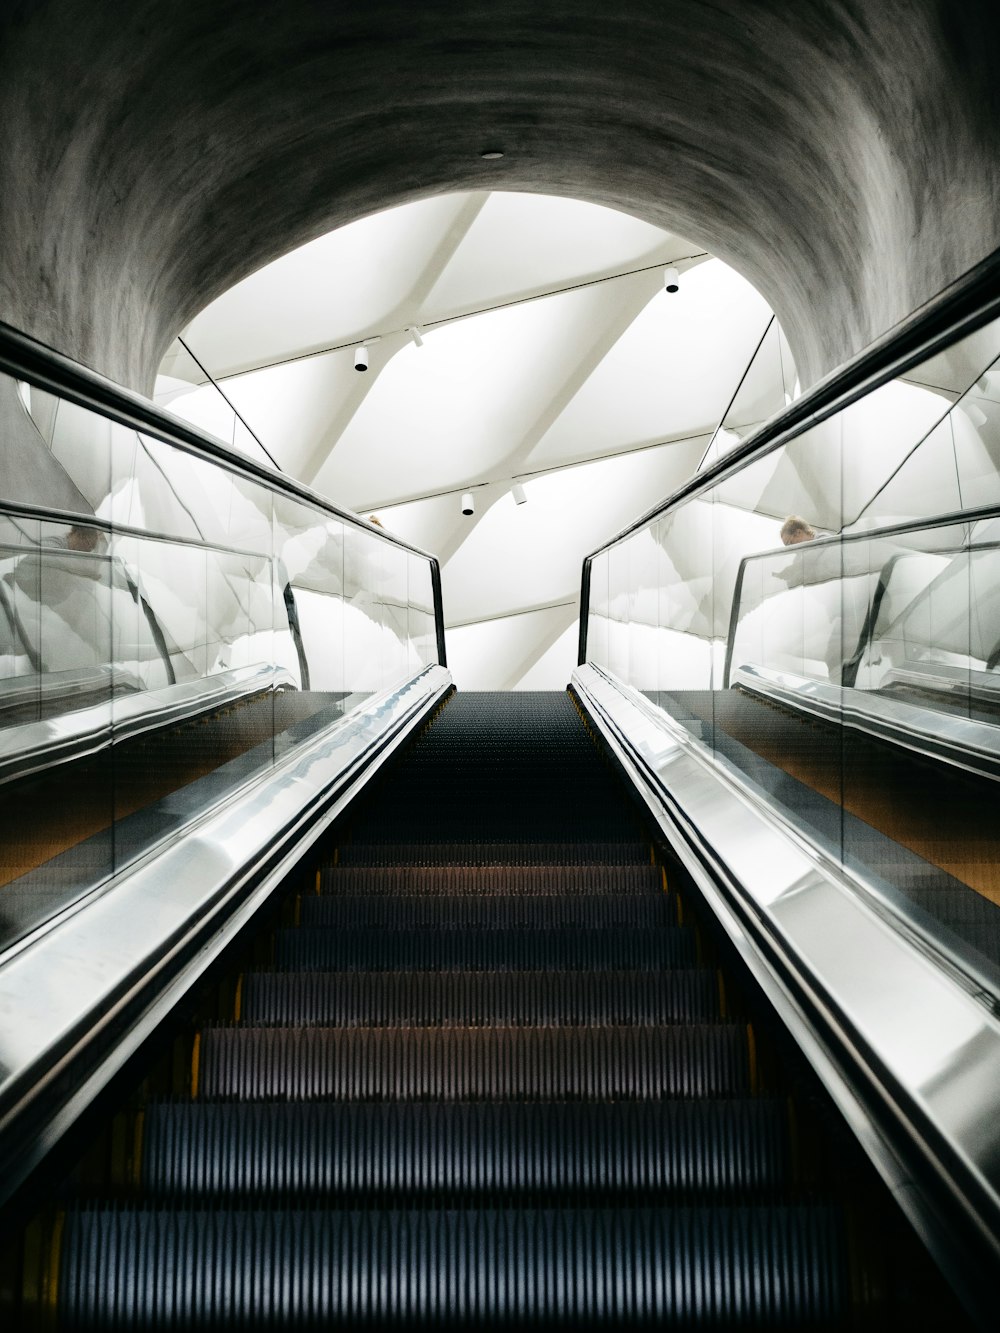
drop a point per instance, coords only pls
(671, 279)
(492, 154)
(361, 357)
(416, 335)
(517, 491)
(468, 504)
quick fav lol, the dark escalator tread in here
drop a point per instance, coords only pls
(477, 999)
(551, 912)
(511, 825)
(424, 1150)
(334, 950)
(462, 1064)
(483, 881)
(494, 853)
(778, 1266)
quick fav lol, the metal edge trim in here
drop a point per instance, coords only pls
(915, 729)
(105, 1035)
(826, 1034)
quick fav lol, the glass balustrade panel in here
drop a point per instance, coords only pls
(176, 632)
(827, 626)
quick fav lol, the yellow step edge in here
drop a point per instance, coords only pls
(195, 1063)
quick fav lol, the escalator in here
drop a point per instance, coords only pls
(925, 827)
(484, 1068)
(59, 823)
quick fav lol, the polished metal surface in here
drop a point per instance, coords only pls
(32, 746)
(61, 985)
(968, 744)
(885, 1021)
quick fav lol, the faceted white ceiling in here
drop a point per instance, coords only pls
(550, 354)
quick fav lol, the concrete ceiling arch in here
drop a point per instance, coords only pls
(841, 155)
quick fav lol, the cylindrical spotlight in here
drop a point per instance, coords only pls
(468, 504)
(361, 358)
(517, 491)
(671, 280)
(415, 334)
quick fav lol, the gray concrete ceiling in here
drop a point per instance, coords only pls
(841, 154)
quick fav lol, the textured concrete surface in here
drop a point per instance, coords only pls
(841, 153)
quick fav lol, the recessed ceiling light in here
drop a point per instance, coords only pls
(492, 155)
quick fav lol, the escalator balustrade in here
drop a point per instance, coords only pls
(490, 1073)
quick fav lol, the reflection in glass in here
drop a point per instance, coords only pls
(853, 679)
(185, 630)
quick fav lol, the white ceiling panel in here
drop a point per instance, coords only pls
(432, 524)
(564, 241)
(498, 654)
(550, 353)
(670, 374)
(291, 406)
(330, 291)
(554, 667)
(455, 409)
(516, 555)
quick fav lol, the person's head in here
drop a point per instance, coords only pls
(795, 530)
(82, 539)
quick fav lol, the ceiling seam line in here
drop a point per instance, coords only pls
(510, 615)
(538, 472)
(359, 341)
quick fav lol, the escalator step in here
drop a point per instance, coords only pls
(483, 881)
(494, 853)
(554, 910)
(477, 999)
(420, 1149)
(482, 950)
(463, 1064)
(124, 1268)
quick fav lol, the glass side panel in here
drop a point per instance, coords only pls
(181, 630)
(826, 622)
(186, 389)
(768, 385)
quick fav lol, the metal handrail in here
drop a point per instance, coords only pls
(28, 359)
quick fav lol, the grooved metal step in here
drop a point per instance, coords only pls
(564, 1150)
(456, 1064)
(334, 950)
(478, 999)
(554, 911)
(481, 881)
(684, 1267)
